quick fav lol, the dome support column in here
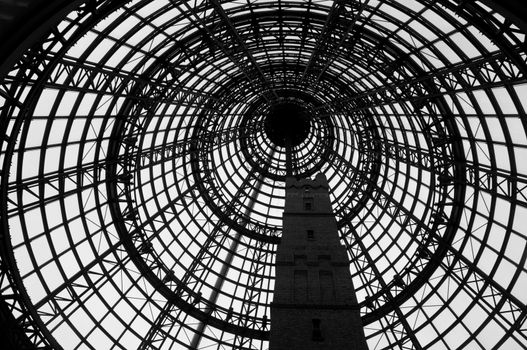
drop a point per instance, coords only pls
(288, 157)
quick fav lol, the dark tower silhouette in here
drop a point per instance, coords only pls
(314, 304)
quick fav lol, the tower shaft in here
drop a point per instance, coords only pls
(314, 305)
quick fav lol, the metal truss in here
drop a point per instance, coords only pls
(141, 196)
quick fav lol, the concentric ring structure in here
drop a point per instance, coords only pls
(144, 151)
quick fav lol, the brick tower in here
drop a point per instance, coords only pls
(314, 305)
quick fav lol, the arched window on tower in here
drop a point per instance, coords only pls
(307, 199)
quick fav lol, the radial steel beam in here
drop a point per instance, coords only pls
(332, 38)
(206, 255)
(483, 73)
(247, 68)
(228, 260)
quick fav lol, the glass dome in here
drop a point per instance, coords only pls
(143, 169)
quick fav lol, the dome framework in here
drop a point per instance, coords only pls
(142, 189)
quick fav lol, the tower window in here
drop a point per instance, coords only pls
(310, 235)
(308, 204)
(300, 286)
(317, 332)
(327, 287)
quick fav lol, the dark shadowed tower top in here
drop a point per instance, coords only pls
(314, 304)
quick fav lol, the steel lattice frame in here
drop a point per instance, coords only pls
(141, 197)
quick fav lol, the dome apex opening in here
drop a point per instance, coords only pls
(287, 121)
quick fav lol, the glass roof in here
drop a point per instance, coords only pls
(143, 197)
